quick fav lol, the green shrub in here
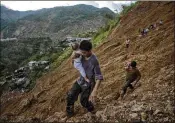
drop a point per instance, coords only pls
(103, 32)
(66, 53)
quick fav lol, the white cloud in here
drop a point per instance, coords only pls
(110, 4)
(93, 3)
(34, 5)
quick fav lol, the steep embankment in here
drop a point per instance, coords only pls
(154, 54)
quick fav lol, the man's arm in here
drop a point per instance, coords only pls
(93, 95)
(99, 78)
(97, 84)
(138, 77)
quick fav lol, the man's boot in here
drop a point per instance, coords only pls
(70, 110)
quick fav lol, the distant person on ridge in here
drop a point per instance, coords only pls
(151, 26)
(127, 43)
(143, 32)
(146, 31)
(154, 26)
(132, 74)
(160, 22)
(87, 90)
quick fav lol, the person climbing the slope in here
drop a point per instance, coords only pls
(146, 31)
(127, 43)
(76, 57)
(154, 26)
(127, 47)
(160, 22)
(87, 90)
(132, 74)
(142, 32)
(151, 26)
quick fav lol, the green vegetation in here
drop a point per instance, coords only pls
(86, 34)
(33, 76)
(103, 32)
(126, 9)
(66, 53)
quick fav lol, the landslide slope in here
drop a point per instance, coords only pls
(152, 98)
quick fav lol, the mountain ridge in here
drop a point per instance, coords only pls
(55, 22)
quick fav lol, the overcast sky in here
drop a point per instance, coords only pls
(34, 5)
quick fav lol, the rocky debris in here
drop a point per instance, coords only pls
(24, 103)
(134, 115)
(77, 39)
(157, 111)
(90, 117)
(109, 97)
(47, 68)
(24, 82)
(99, 114)
(54, 118)
(38, 64)
(33, 120)
(20, 119)
(20, 79)
(137, 108)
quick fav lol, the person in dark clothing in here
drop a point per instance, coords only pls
(88, 90)
(143, 32)
(132, 74)
(127, 43)
(151, 26)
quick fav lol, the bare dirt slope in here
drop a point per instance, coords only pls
(151, 101)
